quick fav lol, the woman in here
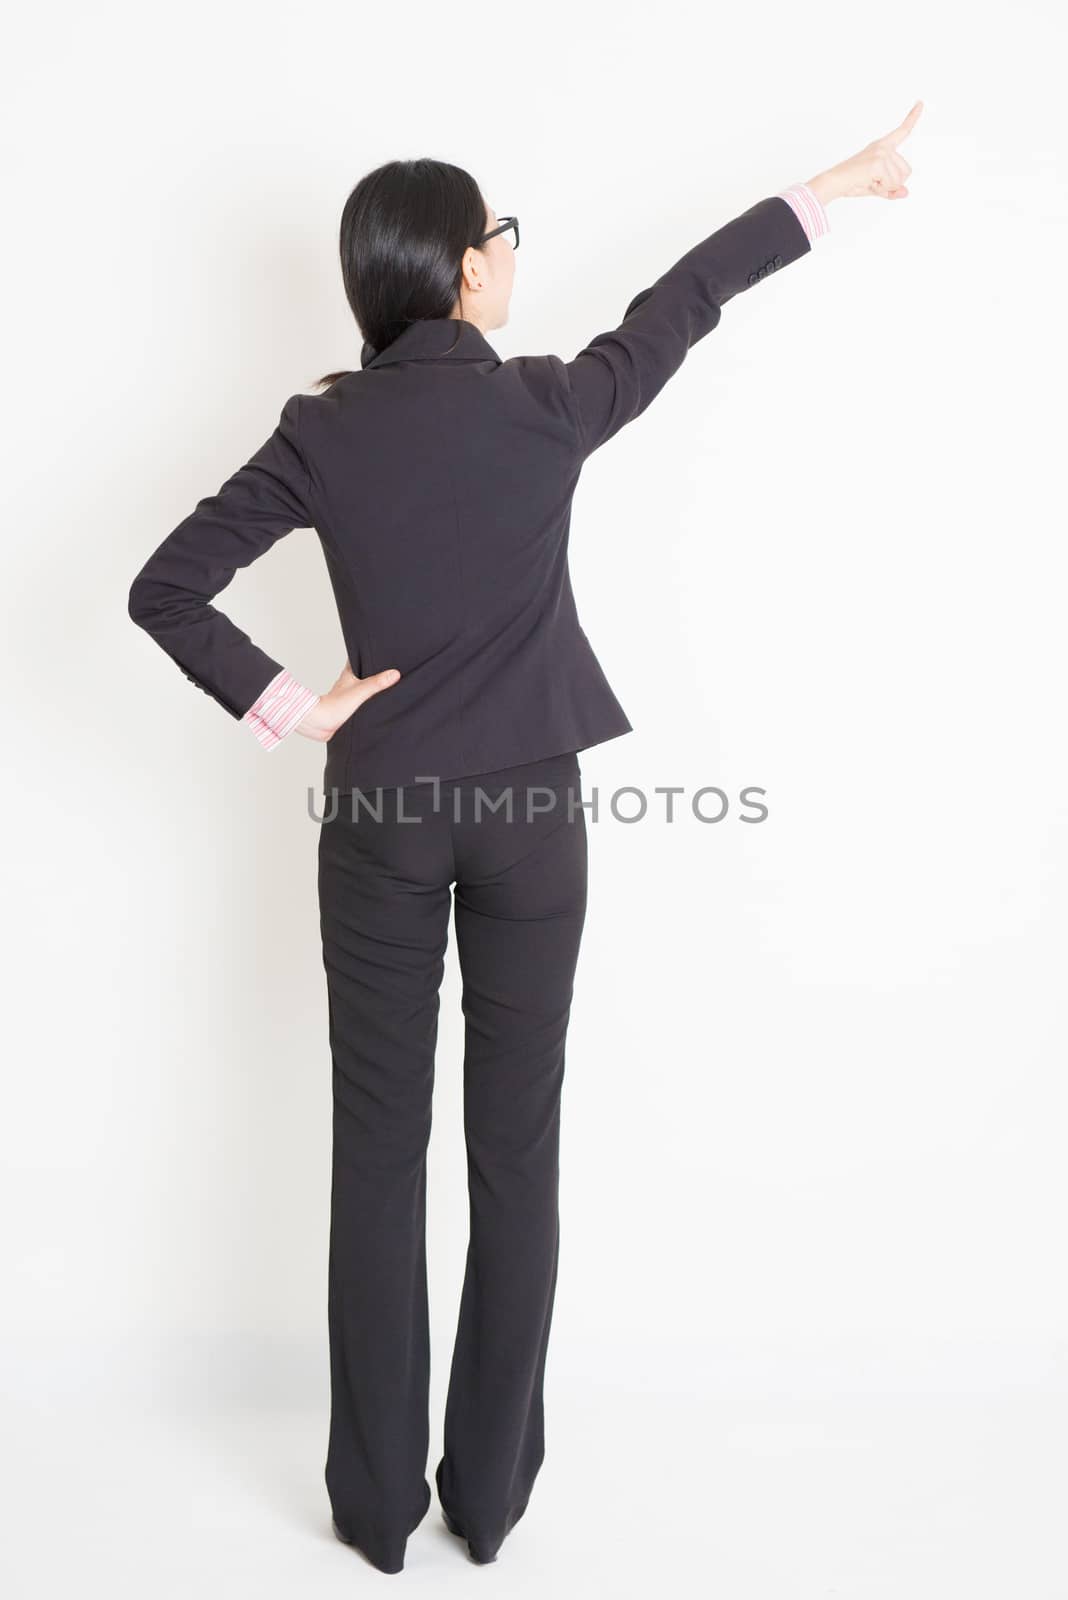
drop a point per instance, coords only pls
(439, 478)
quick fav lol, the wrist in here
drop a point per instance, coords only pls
(825, 186)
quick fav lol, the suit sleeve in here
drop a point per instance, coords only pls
(171, 595)
(616, 376)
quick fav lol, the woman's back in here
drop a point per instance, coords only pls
(441, 480)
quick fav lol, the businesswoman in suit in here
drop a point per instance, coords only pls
(439, 479)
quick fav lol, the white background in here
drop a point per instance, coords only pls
(810, 1328)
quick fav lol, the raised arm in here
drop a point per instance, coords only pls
(618, 373)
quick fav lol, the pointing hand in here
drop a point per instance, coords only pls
(879, 169)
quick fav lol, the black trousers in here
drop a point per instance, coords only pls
(393, 865)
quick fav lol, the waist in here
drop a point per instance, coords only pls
(547, 769)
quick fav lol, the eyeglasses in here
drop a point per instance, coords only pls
(504, 224)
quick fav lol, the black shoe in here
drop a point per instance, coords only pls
(378, 1564)
(454, 1527)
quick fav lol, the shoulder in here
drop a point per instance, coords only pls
(545, 379)
(315, 412)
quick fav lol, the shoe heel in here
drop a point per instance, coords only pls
(454, 1527)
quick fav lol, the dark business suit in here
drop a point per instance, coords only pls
(439, 479)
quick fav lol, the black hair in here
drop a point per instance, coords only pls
(404, 230)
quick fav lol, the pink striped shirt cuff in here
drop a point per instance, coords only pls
(283, 704)
(810, 211)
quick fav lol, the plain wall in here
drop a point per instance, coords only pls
(815, 1093)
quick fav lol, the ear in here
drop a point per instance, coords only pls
(471, 266)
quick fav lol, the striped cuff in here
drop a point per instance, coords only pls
(283, 704)
(809, 210)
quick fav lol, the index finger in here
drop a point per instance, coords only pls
(905, 128)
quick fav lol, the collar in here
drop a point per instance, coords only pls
(433, 339)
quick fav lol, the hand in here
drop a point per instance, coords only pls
(878, 169)
(347, 695)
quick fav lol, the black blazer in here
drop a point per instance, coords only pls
(439, 479)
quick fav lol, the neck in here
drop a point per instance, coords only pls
(469, 316)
